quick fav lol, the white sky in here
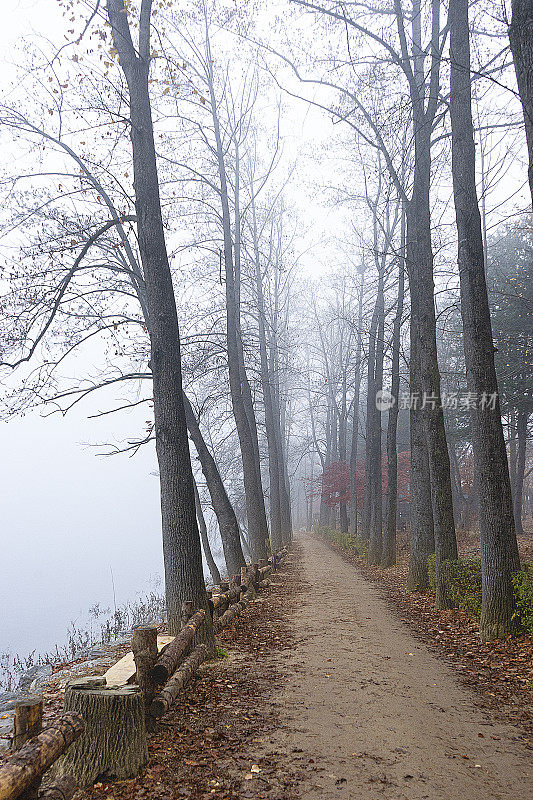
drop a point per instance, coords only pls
(67, 516)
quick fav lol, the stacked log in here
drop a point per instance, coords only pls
(163, 701)
(229, 616)
(25, 768)
(171, 657)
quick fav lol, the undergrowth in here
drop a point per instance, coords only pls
(463, 579)
(110, 625)
(348, 541)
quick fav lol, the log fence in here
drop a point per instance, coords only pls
(102, 732)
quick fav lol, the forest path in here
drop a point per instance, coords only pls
(369, 712)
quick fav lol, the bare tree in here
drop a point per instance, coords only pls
(499, 551)
(181, 541)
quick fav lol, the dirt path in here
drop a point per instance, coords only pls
(370, 713)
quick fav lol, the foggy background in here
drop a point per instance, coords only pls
(69, 517)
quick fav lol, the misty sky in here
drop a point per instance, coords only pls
(68, 516)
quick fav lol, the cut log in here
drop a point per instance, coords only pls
(26, 766)
(61, 789)
(226, 598)
(230, 615)
(249, 595)
(28, 721)
(169, 660)
(264, 572)
(113, 744)
(145, 654)
(263, 584)
(163, 701)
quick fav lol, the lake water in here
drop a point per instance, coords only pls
(76, 529)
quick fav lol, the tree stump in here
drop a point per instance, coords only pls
(114, 742)
(28, 721)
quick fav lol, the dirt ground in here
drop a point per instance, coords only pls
(327, 693)
(368, 712)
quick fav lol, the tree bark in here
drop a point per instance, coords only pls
(164, 700)
(28, 721)
(170, 658)
(274, 466)
(369, 488)
(427, 424)
(279, 414)
(521, 40)
(113, 744)
(499, 551)
(62, 789)
(145, 653)
(388, 556)
(376, 513)
(343, 506)
(422, 533)
(181, 541)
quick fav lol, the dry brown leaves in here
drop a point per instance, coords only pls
(215, 742)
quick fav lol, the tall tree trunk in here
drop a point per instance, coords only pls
(427, 424)
(210, 561)
(245, 383)
(343, 508)
(499, 551)
(182, 553)
(325, 514)
(521, 39)
(376, 515)
(274, 466)
(255, 502)
(512, 447)
(355, 415)
(226, 517)
(388, 556)
(280, 404)
(521, 435)
(420, 265)
(422, 533)
(369, 487)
